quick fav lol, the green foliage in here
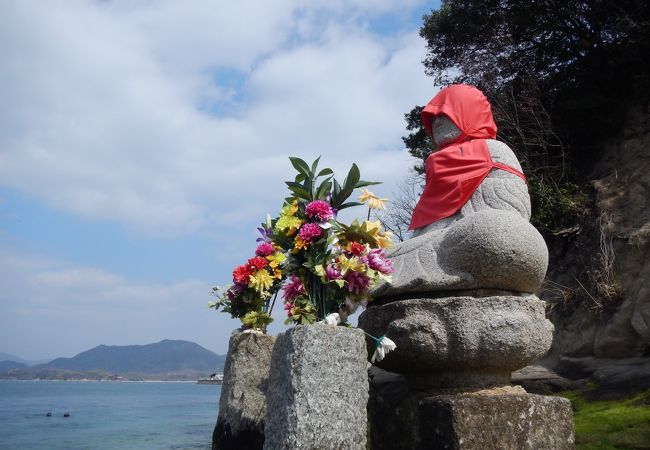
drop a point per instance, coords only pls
(307, 187)
(620, 424)
(555, 207)
(257, 320)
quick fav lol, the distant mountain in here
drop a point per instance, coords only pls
(9, 357)
(161, 358)
(11, 364)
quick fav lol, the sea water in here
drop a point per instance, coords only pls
(107, 415)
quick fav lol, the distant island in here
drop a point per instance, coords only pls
(163, 361)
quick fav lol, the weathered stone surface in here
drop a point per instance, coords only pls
(242, 405)
(318, 390)
(500, 422)
(460, 341)
(499, 419)
(485, 250)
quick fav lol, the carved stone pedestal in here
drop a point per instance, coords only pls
(318, 390)
(460, 341)
(240, 425)
(449, 380)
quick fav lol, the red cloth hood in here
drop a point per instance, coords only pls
(467, 107)
(455, 171)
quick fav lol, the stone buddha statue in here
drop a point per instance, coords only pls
(471, 225)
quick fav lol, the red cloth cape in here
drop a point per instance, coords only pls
(456, 171)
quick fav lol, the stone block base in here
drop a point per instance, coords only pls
(242, 406)
(505, 418)
(318, 390)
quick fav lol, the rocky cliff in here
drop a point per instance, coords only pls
(598, 284)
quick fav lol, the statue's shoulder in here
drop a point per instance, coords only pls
(503, 154)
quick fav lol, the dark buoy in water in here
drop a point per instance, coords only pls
(66, 415)
(49, 414)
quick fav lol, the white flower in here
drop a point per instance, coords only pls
(384, 346)
(253, 331)
(332, 319)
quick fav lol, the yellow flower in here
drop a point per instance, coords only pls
(384, 239)
(260, 281)
(290, 210)
(288, 225)
(299, 244)
(373, 201)
(350, 264)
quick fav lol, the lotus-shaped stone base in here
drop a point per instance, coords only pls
(460, 341)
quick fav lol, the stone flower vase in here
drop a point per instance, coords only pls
(242, 405)
(318, 389)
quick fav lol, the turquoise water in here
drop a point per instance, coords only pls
(106, 415)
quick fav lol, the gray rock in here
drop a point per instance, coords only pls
(537, 379)
(318, 389)
(608, 378)
(460, 341)
(242, 405)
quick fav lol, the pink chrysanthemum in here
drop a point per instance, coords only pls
(377, 260)
(332, 272)
(309, 232)
(264, 249)
(357, 282)
(292, 289)
(319, 210)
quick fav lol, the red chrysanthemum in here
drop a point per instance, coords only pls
(258, 263)
(356, 248)
(241, 273)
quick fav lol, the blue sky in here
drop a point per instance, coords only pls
(141, 144)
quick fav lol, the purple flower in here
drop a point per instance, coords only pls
(357, 282)
(310, 232)
(234, 291)
(292, 289)
(332, 272)
(266, 234)
(319, 210)
(377, 260)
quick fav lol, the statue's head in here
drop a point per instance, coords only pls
(457, 113)
(444, 131)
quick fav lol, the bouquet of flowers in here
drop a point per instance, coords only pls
(330, 266)
(327, 267)
(254, 284)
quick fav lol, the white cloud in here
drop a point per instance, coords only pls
(50, 306)
(104, 104)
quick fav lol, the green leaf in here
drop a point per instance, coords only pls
(298, 189)
(337, 188)
(362, 183)
(352, 179)
(349, 205)
(325, 171)
(300, 165)
(323, 189)
(300, 178)
(314, 165)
